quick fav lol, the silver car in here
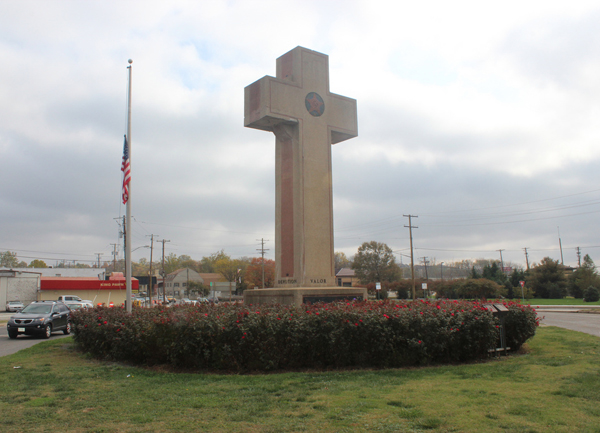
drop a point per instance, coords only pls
(14, 306)
(76, 305)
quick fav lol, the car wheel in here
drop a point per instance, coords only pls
(67, 330)
(47, 331)
(12, 335)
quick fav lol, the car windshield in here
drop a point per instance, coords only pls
(75, 306)
(37, 308)
(15, 303)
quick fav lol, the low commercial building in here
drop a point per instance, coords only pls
(346, 278)
(98, 291)
(18, 285)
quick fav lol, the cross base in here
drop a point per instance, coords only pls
(304, 295)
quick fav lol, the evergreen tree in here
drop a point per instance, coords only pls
(583, 277)
(547, 280)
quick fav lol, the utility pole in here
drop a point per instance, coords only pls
(164, 275)
(562, 262)
(262, 253)
(501, 262)
(99, 254)
(442, 270)
(114, 253)
(425, 263)
(578, 257)
(150, 285)
(412, 261)
(526, 257)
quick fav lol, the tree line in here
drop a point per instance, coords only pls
(375, 262)
(245, 272)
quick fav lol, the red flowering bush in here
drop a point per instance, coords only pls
(520, 324)
(271, 337)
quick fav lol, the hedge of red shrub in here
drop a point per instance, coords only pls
(241, 338)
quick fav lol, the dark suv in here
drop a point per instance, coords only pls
(40, 317)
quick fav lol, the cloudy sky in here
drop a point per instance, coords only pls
(481, 120)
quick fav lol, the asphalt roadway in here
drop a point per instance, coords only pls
(569, 319)
(582, 322)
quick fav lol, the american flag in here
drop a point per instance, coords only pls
(126, 169)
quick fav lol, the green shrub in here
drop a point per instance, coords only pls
(269, 337)
(519, 325)
(447, 289)
(591, 294)
(480, 288)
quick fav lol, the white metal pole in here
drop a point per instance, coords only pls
(128, 207)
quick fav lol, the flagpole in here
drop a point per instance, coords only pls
(128, 205)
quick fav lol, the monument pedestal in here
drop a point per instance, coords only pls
(303, 295)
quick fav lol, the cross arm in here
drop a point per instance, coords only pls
(343, 118)
(258, 113)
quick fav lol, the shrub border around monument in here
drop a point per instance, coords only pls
(233, 337)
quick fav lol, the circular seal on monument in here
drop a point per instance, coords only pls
(314, 104)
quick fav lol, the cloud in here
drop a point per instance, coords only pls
(466, 110)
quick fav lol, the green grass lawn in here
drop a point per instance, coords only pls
(554, 386)
(564, 301)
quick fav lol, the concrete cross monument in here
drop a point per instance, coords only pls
(306, 119)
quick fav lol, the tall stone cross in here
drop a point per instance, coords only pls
(306, 120)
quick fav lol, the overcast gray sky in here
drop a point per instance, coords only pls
(481, 118)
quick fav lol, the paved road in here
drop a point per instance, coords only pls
(582, 322)
(8, 346)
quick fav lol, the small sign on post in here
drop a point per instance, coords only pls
(522, 283)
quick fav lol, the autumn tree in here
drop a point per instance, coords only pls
(207, 264)
(9, 259)
(230, 270)
(186, 261)
(37, 263)
(253, 275)
(172, 263)
(141, 268)
(199, 288)
(375, 262)
(341, 261)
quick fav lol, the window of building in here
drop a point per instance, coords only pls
(175, 284)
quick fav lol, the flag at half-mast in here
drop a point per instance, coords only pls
(126, 169)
